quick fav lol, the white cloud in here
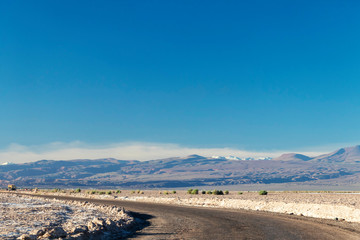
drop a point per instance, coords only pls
(126, 151)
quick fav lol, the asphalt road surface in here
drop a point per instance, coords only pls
(180, 222)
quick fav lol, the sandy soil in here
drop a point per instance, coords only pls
(333, 205)
(36, 218)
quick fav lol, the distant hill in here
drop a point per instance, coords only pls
(348, 154)
(292, 157)
(337, 167)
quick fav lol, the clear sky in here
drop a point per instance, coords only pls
(251, 75)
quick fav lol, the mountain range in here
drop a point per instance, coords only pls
(339, 167)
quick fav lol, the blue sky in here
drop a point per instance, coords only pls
(254, 75)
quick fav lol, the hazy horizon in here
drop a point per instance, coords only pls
(16, 153)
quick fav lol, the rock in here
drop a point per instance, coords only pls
(111, 225)
(78, 236)
(91, 226)
(79, 229)
(98, 221)
(97, 224)
(57, 232)
(37, 232)
(46, 235)
(27, 237)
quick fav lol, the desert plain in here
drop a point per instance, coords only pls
(28, 213)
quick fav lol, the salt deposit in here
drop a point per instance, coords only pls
(27, 217)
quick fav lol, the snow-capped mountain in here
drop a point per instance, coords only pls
(241, 159)
(7, 163)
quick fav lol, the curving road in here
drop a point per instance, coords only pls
(180, 222)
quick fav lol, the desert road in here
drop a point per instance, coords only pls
(180, 222)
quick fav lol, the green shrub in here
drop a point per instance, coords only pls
(240, 193)
(195, 191)
(189, 191)
(263, 192)
(132, 191)
(166, 192)
(118, 191)
(203, 192)
(209, 192)
(102, 192)
(77, 190)
(226, 192)
(109, 192)
(138, 191)
(174, 192)
(218, 192)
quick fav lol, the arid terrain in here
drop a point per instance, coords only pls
(278, 215)
(179, 215)
(340, 206)
(28, 217)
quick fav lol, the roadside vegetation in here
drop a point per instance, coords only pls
(55, 190)
(263, 192)
(191, 191)
(213, 192)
